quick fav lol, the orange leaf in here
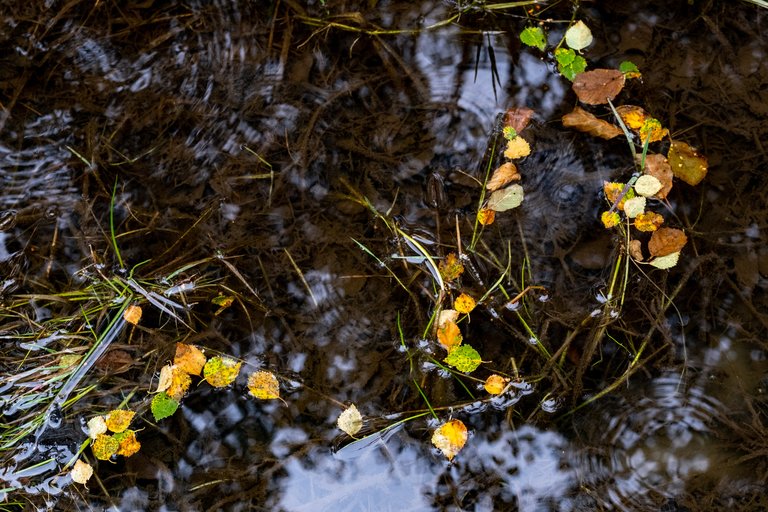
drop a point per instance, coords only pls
(686, 163)
(464, 303)
(263, 385)
(658, 167)
(613, 191)
(517, 148)
(495, 384)
(665, 241)
(584, 121)
(128, 443)
(450, 438)
(189, 358)
(648, 221)
(486, 216)
(518, 118)
(610, 219)
(180, 382)
(505, 173)
(598, 86)
(132, 314)
(634, 117)
(449, 335)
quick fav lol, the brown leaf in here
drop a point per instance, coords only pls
(505, 173)
(518, 118)
(658, 167)
(584, 121)
(665, 241)
(686, 163)
(635, 250)
(598, 86)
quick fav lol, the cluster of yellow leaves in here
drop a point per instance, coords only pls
(122, 441)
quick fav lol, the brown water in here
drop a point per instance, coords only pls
(174, 103)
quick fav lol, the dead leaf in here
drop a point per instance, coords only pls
(505, 173)
(128, 444)
(166, 376)
(221, 371)
(518, 118)
(598, 86)
(686, 163)
(665, 241)
(132, 314)
(81, 472)
(585, 122)
(447, 315)
(96, 425)
(189, 358)
(610, 219)
(636, 250)
(486, 216)
(450, 438)
(495, 384)
(517, 148)
(264, 385)
(350, 420)
(450, 268)
(657, 166)
(180, 382)
(449, 335)
(464, 303)
(648, 221)
(506, 198)
(641, 122)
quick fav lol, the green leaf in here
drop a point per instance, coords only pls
(564, 56)
(509, 132)
(534, 36)
(578, 36)
(506, 198)
(163, 406)
(569, 64)
(464, 358)
(629, 69)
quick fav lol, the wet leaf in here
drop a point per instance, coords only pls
(447, 315)
(128, 444)
(104, 447)
(610, 219)
(613, 191)
(464, 303)
(534, 36)
(504, 174)
(578, 36)
(634, 207)
(449, 335)
(652, 130)
(517, 118)
(221, 371)
(223, 301)
(641, 122)
(464, 358)
(665, 262)
(584, 121)
(163, 406)
(486, 216)
(636, 250)
(132, 314)
(517, 148)
(263, 385)
(350, 420)
(569, 64)
(665, 241)
(189, 358)
(629, 69)
(180, 382)
(648, 221)
(450, 438)
(686, 163)
(450, 268)
(495, 384)
(598, 86)
(81, 472)
(119, 419)
(658, 167)
(506, 198)
(96, 425)
(647, 185)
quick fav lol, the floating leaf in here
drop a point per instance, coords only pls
(647, 185)
(584, 121)
(495, 384)
(119, 419)
(221, 371)
(578, 36)
(449, 335)
(450, 268)
(504, 174)
(506, 198)
(486, 216)
(189, 358)
(464, 303)
(464, 358)
(598, 86)
(450, 438)
(686, 163)
(534, 36)
(634, 117)
(658, 167)
(166, 377)
(569, 64)
(517, 148)
(634, 207)
(263, 385)
(652, 131)
(629, 69)
(517, 118)
(636, 250)
(508, 132)
(447, 315)
(96, 425)
(610, 219)
(104, 447)
(163, 406)
(223, 301)
(665, 241)
(350, 420)
(81, 472)
(132, 314)
(128, 444)
(180, 382)
(648, 221)
(665, 262)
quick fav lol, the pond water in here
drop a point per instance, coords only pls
(225, 148)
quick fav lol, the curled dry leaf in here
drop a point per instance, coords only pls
(450, 438)
(495, 384)
(658, 167)
(449, 335)
(119, 419)
(598, 86)
(189, 358)
(506, 198)
(518, 118)
(350, 420)
(132, 314)
(636, 250)
(666, 241)
(517, 148)
(447, 315)
(486, 216)
(648, 221)
(264, 385)
(584, 121)
(686, 163)
(504, 174)
(464, 303)
(81, 472)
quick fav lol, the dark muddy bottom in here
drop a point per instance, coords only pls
(233, 140)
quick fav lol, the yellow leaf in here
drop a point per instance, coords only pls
(686, 163)
(350, 420)
(104, 447)
(450, 438)
(464, 303)
(263, 385)
(450, 268)
(132, 314)
(221, 371)
(180, 382)
(128, 444)
(634, 117)
(648, 221)
(610, 219)
(517, 148)
(495, 384)
(119, 419)
(81, 472)
(449, 335)
(652, 127)
(189, 358)
(486, 216)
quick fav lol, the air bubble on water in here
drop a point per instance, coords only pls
(614, 313)
(551, 405)
(595, 313)
(544, 298)
(512, 306)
